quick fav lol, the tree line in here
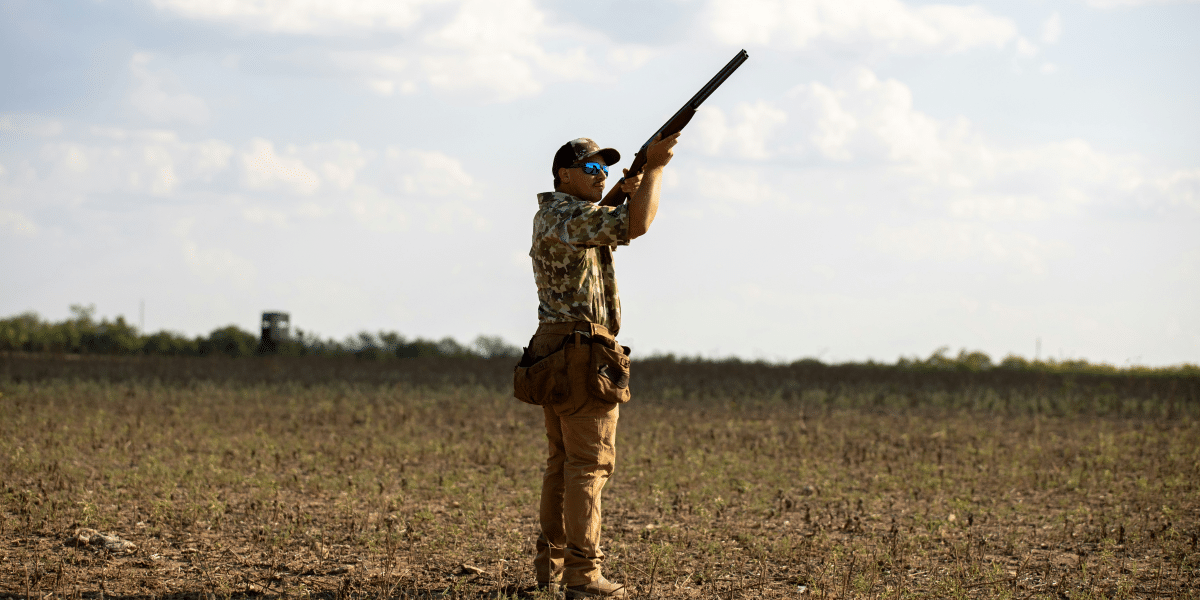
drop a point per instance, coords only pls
(82, 333)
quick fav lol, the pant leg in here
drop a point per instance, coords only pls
(551, 543)
(589, 432)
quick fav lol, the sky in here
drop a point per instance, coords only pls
(880, 179)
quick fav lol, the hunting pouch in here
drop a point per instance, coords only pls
(542, 382)
(608, 379)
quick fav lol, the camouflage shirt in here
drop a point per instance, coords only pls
(572, 255)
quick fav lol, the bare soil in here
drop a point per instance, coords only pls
(395, 490)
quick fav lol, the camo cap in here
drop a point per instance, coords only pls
(576, 150)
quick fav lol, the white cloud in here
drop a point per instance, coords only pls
(834, 125)
(213, 264)
(156, 95)
(866, 118)
(17, 223)
(265, 170)
(1026, 48)
(26, 125)
(949, 241)
(432, 174)
(1124, 3)
(410, 186)
(262, 215)
(320, 17)
(743, 185)
(132, 161)
(1052, 29)
(502, 48)
(437, 187)
(1181, 188)
(755, 125)
(871, 123)
(338, 162)
(491, 50)
(888, 24)
(379, 212)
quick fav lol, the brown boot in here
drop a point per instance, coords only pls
(600, 588)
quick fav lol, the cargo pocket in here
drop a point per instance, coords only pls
(609, 376)
(543, 382)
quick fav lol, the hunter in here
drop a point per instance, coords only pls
(573, 366)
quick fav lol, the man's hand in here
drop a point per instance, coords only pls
(661, 151)
(629, 185)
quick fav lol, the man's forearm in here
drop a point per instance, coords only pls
(643, 206)
(610, 197)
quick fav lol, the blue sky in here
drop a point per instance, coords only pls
(882, 178)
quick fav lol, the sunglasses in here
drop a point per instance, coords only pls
(594, 168)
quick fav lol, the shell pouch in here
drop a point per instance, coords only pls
(609, 376)
(544, 382)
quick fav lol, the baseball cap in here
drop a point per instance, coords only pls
(576, 150)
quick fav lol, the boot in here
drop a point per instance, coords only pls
(600, 588)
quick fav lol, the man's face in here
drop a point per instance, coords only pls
(580, 184)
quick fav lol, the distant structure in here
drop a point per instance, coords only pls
(275, 326)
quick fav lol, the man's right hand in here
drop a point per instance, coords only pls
(661, 151)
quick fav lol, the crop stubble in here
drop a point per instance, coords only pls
(367, 489)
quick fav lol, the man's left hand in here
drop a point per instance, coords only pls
(630, 185)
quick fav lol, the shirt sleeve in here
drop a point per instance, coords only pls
(585, 225)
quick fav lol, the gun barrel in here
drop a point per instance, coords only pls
(678, 121)
(718, 79)
(701, 95)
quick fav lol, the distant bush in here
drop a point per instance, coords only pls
(82, 334)
(977, 361)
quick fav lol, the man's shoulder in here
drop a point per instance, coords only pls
(556, 200)
(554, 207)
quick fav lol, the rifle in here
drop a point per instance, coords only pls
(675, 124)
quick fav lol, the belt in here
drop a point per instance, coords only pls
(584, 333)
(583, 327)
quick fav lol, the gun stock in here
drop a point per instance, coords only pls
(675, 124)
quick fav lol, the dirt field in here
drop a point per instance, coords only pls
(418, 490)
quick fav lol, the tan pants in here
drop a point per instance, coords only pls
(582, 432)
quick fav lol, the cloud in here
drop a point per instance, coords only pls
(1052, 29)
(498, 49)
(755, 124)
(870, 123)
(339, 162)
(438, 187)
(429, 174)
(743, 185)
(490, 50)
(1181, 188)
(950, 241)
(1106, 4)
(29, 126)
(156, 95)
(265, 170)
(886, 24)
(152, 162)
(313, 17)
(17, 223)
(868, 119)
(213, 264)
(379, 212)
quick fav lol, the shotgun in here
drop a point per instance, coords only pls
(675, 124)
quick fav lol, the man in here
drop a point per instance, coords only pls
(579, 315)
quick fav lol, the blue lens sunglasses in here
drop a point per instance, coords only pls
(594, 168)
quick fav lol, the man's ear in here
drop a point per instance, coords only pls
(564, 175)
